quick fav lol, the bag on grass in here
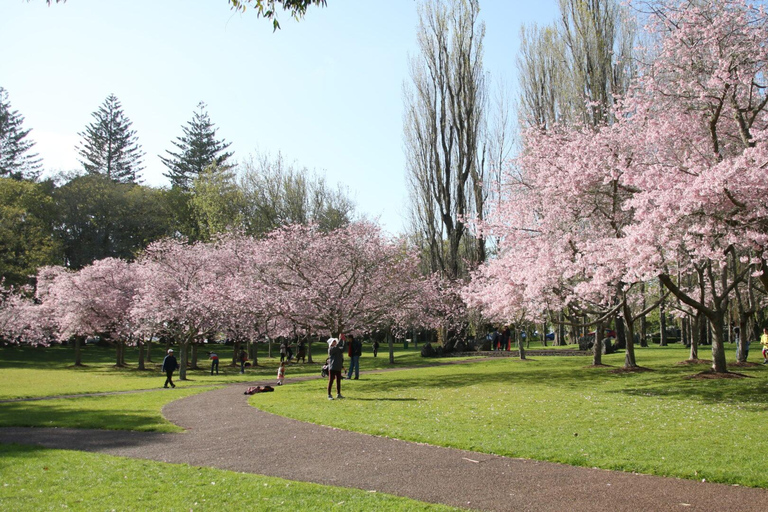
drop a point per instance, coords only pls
(258, 389)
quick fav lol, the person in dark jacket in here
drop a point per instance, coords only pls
(169, 366)
(356, 351)
(335, 364)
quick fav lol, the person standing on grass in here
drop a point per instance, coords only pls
(243, 359)
(301, 351)
(214, 357)
(764, 343)
(283, 350)
(335, 364)
(169, 366)
(375, 348)
(356, 350)
(280, 373)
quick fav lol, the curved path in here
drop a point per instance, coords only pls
(223, 431)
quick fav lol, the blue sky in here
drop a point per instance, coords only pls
(326, 91)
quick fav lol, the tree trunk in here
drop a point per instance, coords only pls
(560, 333)
(621, 336)
(391, 342)
(629, 355)
(194, 356)
(141, 354)
(743, 338)
(309, 349)
(78, 351)
(122, 352)
(236, 352)
(662, 323)
(695, 336)
(521, 348)
(184, 349)
(118, 354)
(718, 347)
(597, 349)
(544, 334)
(643, 319)
(253, 350)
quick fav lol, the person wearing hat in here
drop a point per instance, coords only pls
(169, 366)
(335, 364)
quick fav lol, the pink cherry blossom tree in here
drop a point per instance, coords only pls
(95, 300)
(175, 293)
(350, 280)
(697, 124)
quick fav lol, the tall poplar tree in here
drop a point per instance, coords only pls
(198, 148)
(16, 159)
(109, 146)
(445, 133)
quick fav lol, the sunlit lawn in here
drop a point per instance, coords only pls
(35, 372)
(38, 479)
(557, 409)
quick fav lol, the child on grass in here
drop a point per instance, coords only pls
(281, 373)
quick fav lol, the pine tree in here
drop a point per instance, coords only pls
(16, 161)
(109, 146)
(198, 149)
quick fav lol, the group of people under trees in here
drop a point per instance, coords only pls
(501, 340)
(334, 365)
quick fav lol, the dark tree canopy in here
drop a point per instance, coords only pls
(27, 217)
(109, 146)
(16, 160)
(198, 149)
(99, 218)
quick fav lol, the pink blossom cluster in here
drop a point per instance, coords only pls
(677, 186)
(297, 279)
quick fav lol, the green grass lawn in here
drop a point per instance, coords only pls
(555, 408)
(35, 372)
(35, 479)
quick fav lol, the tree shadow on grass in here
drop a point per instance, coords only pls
(50, 414)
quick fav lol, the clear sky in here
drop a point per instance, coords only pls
(326, 91)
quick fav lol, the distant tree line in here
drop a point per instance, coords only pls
(104, 210)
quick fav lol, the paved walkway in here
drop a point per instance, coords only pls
(223, 431)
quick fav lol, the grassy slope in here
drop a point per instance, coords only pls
(37, 479)
(556, 409)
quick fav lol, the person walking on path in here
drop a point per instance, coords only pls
(764, 343)
(356, 350)
(169, 366)
(214, 357)
(335, 364)
(280, 373)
